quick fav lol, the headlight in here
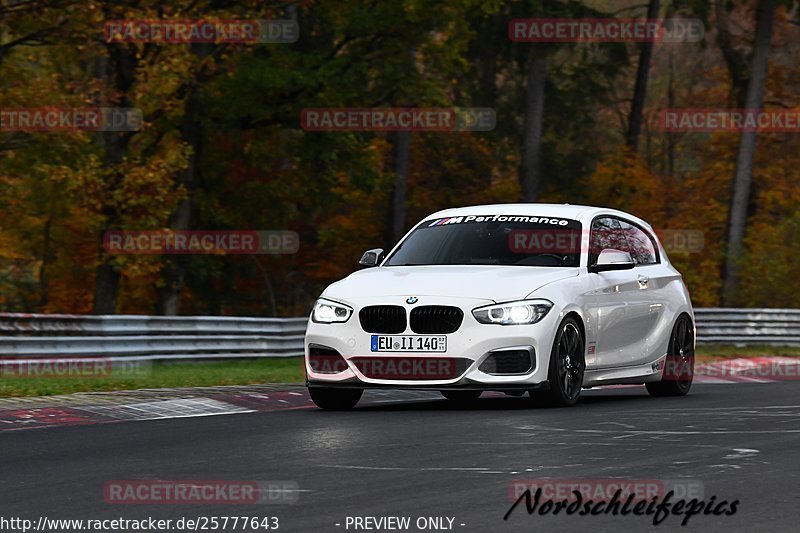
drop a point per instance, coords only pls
(513, 313)
(327, 312)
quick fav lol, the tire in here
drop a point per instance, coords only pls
(567, 365)
(335, 399)
(679, 366)
(461, 396)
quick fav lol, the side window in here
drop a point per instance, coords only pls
(640, 244)
(606, 233)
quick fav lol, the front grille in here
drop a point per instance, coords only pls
(405, 368)
(436, 319)
(383, 319)
(508, 362)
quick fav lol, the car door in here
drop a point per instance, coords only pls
(647, 310)
(609, 299)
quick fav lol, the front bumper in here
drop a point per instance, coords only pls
(471, 344)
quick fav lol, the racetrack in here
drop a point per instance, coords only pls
(412, 454)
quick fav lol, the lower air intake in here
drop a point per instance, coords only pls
(324, 360)
(508, 362)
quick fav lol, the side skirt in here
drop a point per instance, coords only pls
(625, 375)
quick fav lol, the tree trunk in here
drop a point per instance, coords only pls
(173, 271)
(737, 219)
(269, 293)
(671, 139)
(398, 209)
(174, 267)
(734, 59)
(640, 88)
(117, 73)
(106, 287)
(46, 258)
(487, 56)
(530, 167)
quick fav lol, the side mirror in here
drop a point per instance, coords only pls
(610, 259)
(371, 258)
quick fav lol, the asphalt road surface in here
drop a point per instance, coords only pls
(406, 455)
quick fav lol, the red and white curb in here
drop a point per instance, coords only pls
(101, 408)
(748, 370)
(214, 403)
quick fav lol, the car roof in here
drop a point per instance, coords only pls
(543, 210)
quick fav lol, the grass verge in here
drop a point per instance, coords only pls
(162, 375)
(256, 371)
(710, 352)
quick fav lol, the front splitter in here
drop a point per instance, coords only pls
(464, 384)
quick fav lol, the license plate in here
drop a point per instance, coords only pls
(409, 343)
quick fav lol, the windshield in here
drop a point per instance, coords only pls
(491, 240)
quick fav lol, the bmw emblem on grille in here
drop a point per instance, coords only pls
(412, 300)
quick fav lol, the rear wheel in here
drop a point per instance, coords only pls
(461, 396)
(335, 399)
(567, 365)
(679, 365)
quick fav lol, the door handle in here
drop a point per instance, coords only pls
(643, 281)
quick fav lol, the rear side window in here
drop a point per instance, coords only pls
(641, 244)
(620, 234)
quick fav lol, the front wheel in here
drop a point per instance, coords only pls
(567, 365)
(676, 379)
(335, 399)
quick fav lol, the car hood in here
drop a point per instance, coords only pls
(495, 283)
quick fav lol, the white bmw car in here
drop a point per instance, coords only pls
(538, 298)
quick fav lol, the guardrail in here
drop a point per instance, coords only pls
(778, 327)
(133, 337)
